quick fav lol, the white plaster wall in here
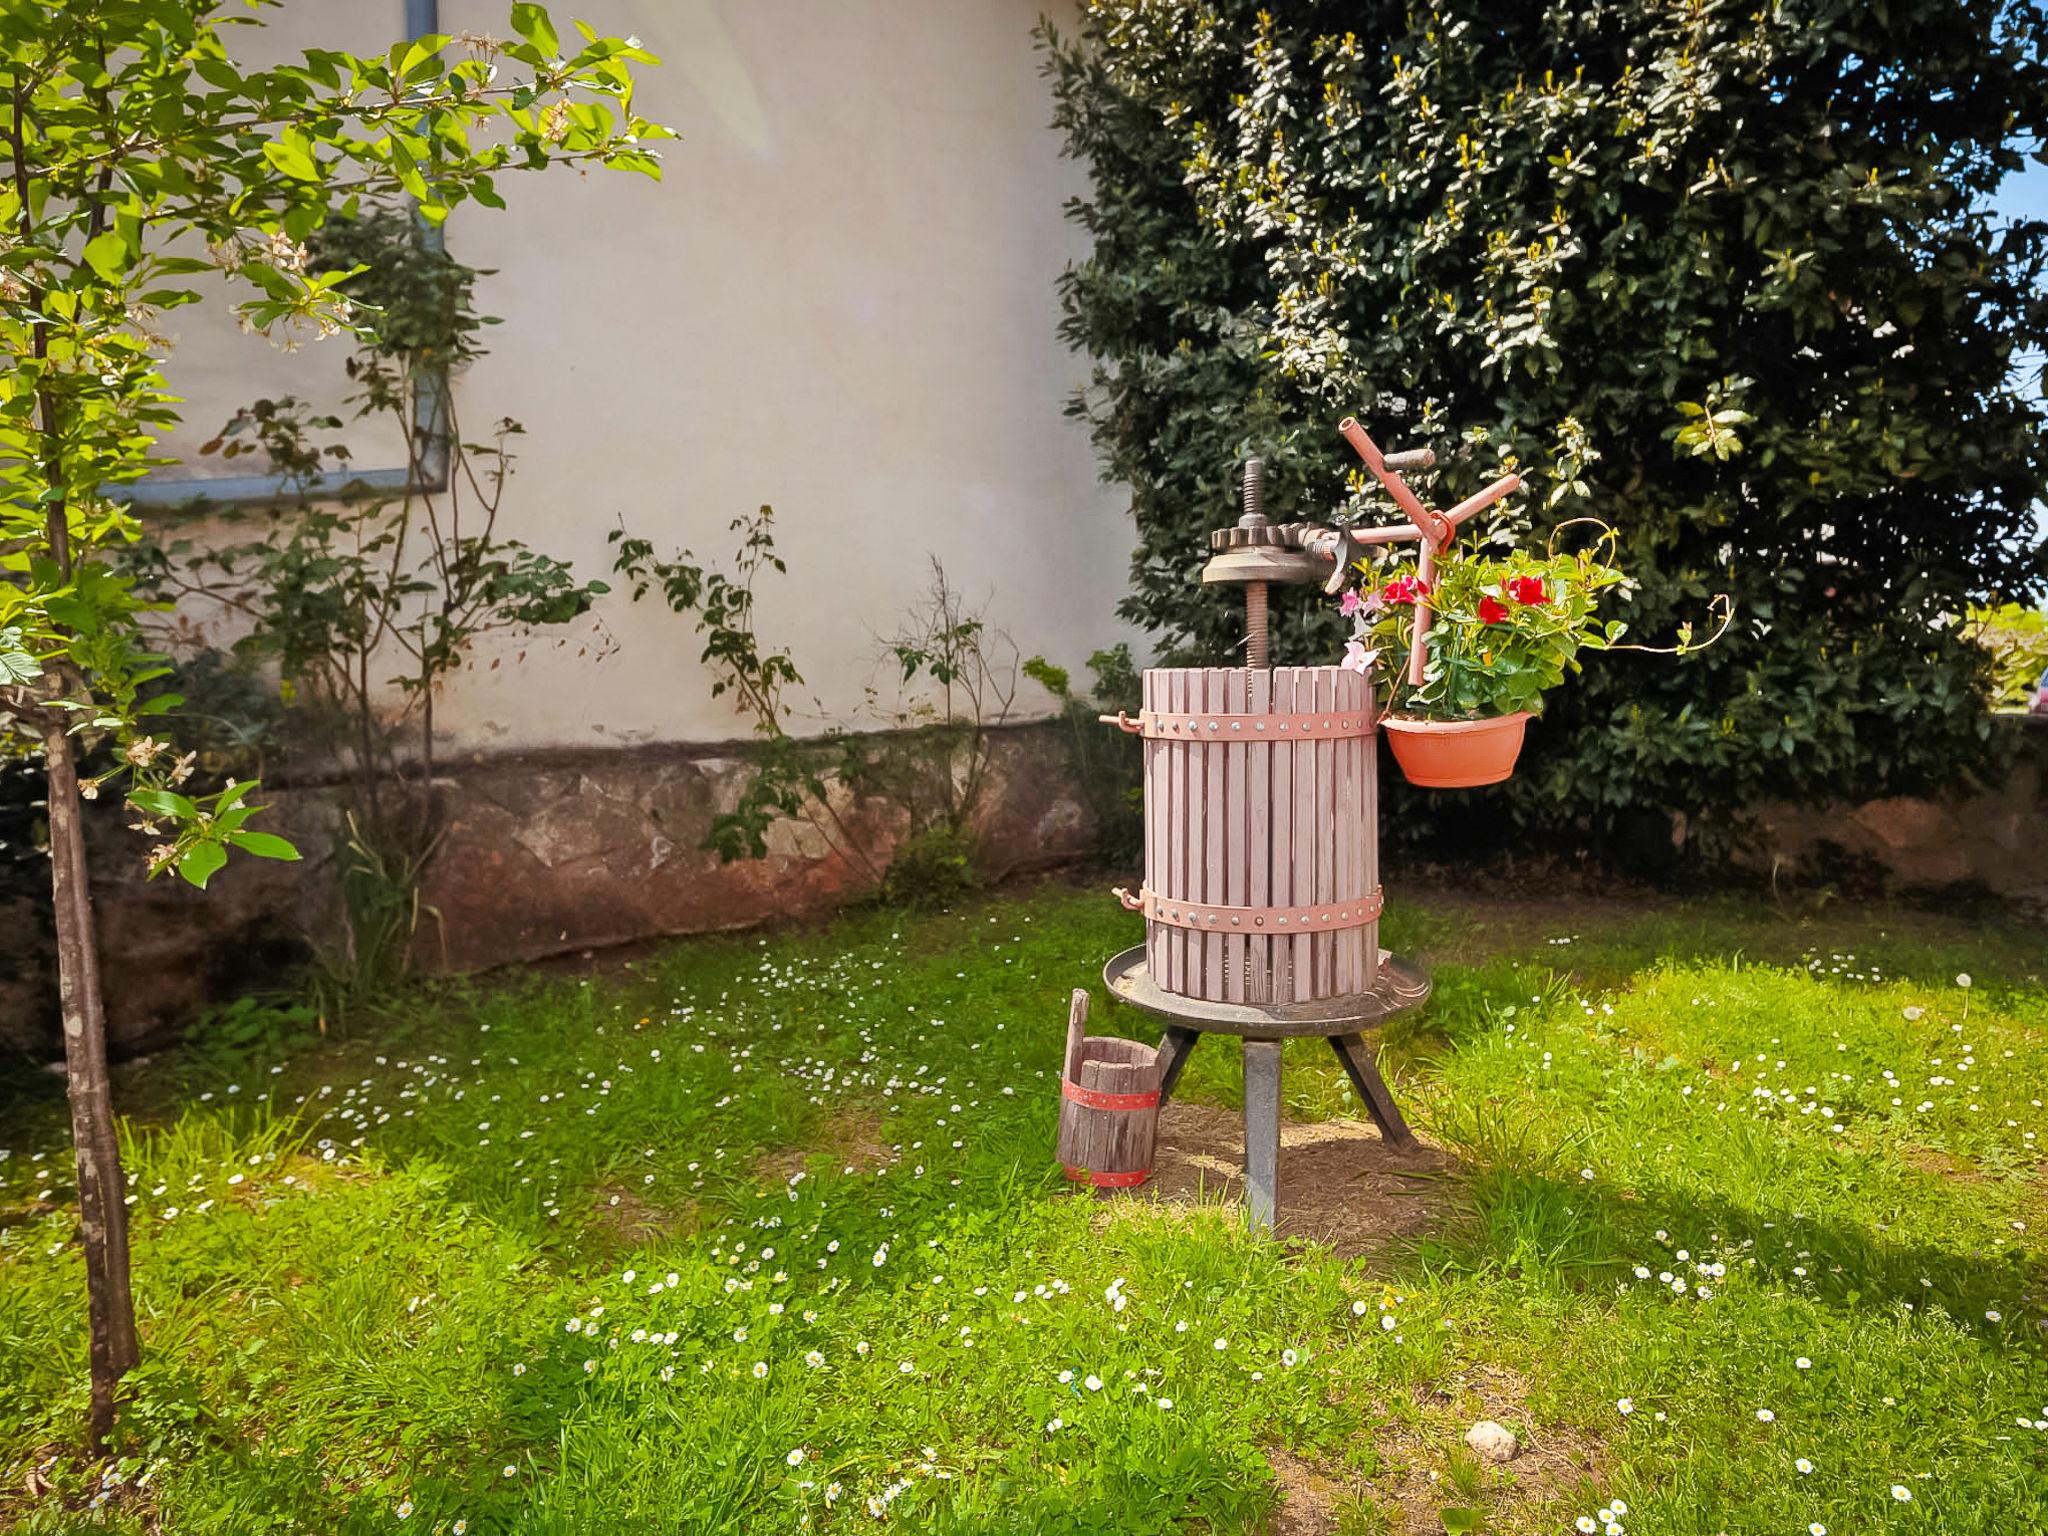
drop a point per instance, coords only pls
(840, 301)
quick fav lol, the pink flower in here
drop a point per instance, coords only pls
(1350, 603)
(1357, 658)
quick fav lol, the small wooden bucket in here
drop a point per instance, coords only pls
(1109, 1105)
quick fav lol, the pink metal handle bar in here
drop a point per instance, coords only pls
(1326, 542)
(1434, 529)
(1329, 543)
(1431, 523)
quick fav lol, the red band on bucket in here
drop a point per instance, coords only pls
(1090, 1099)
(1109, 1180)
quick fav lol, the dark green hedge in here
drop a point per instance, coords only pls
(1722, 274)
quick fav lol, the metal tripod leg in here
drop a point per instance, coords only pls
(1261, 1131)
(1175, 1046)
(1372, 1088)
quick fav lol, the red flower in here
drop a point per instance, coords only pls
(1491, 612)
(1405, 589)
(1527, 589)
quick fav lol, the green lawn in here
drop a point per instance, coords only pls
(765, 1235)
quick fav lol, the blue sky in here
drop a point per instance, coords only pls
(2026, 195)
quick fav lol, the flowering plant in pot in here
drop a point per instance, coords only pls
(1501, 631)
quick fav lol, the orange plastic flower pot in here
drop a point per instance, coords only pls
(1456, 754)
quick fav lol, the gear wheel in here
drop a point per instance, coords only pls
(1261, 536)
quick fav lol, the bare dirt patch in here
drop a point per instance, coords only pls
(852, 1139)
(1425, 1468)
(1416, 1477)
(1340, 1184)
(1940, 1164)
(632, 1221)
(1308, 1496)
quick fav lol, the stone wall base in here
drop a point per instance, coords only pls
(547, 853)
(543, 853)
(1994, 841)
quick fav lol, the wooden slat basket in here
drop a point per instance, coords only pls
(1109, 1105)
(1261, 833)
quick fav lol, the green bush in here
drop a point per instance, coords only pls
(930, 868)
(2017, 638)
(1109, 765)
(1725, 277)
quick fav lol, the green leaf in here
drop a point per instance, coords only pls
(421, 51)
(531, 22)
(107, 254)
(292, 154)
(217, 72)
(16, 664)
(407, 170)
(162, 802)
(264, 845)
(1461, 1522)
(200, 863)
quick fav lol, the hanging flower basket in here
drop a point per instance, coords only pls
(1472, 641)
(1456, 754)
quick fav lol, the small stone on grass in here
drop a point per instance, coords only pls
(1493, 1442)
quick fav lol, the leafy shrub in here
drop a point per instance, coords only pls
(946, 679)
(930, 868)
(2017, 638)
(226, 1039)
(789, 780)
(1726, 278)
(1109, 765)
(932, 760)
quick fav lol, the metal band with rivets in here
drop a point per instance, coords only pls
(1208, 917)
(1326, 726)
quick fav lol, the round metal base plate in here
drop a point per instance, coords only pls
(1401, 985)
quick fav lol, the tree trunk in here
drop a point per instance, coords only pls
(102, 1209)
